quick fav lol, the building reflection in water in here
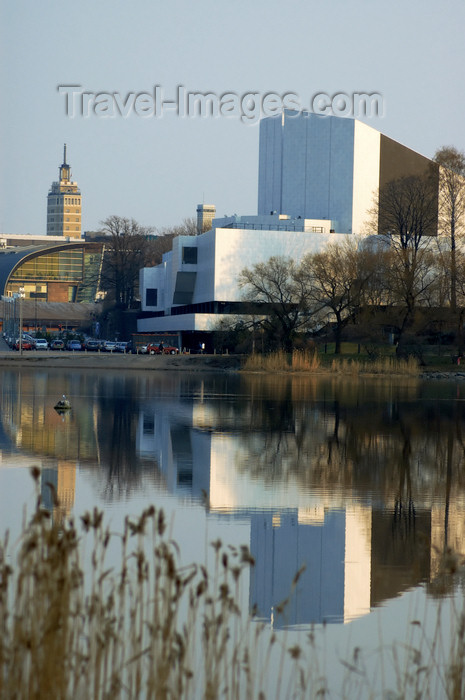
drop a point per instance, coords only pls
(57, 489)
(347, 491)
(361, 485)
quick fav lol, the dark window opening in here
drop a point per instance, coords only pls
(151, 297)
(189, 255)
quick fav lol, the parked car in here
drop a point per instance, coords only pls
(73, 345)
(25, 345)
(40, 344)
(108, 345)
(57, 344)
(122, 347)
(92, 345)
(160, 349)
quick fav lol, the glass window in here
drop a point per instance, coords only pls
(189, 255)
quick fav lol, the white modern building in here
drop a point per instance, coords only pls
(196, 285)
(326, 167)
(318, 177)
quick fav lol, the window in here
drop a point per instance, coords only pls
(149, 425)
(151, 297)
(189, 255)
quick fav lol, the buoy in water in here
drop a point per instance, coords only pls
(63, 404)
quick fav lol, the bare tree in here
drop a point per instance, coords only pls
(126, 253)
(282, 294)
(407, 210)
(188, 227)
(162, 242)
(451, 218)
(405, 214)
(337, 280)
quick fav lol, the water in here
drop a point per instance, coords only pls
(361, 483)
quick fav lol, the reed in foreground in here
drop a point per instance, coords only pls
(156, 629)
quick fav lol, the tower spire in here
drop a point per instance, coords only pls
(64, 154)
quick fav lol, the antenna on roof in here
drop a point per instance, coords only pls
(64, 155)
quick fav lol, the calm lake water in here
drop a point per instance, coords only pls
(361, 482)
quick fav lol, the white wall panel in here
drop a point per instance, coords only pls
(366, 173)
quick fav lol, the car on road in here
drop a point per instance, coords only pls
(73, 345)
(160, 349)
(57, 344)
(40, 344)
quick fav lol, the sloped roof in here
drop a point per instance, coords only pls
(37, 311)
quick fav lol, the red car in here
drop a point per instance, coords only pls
(160, 349)
(25, 345)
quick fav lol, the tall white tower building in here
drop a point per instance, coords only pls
(327, 167)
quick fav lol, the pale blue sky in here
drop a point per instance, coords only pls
(158, 170)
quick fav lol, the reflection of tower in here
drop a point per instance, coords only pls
(63, 480)
(182, 453)
(64, 205)
(335, 551)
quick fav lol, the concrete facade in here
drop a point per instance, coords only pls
(195, 296)
(326, 167)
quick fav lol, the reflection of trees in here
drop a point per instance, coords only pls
(397, 447)
(118, 414)
(356, 439)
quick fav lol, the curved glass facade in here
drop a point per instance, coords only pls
(71, 274)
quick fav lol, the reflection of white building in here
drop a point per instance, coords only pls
(289, 527)
(335, 556)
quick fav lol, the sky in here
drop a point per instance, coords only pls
(135, 157)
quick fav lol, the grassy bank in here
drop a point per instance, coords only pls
(72, 627)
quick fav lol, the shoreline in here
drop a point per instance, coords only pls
(183, 363)
(96, 360)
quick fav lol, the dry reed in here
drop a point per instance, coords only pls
(383, 366)
(73, 632)
(158, 630)
(309, 361)
(298, 361)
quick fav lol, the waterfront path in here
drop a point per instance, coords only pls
(117, 361)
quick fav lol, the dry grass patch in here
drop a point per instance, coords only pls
(383, 365)
(299, 361)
